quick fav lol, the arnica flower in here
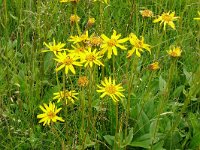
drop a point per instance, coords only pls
(67, 62)
(167, 18)
(55, 48)
(72, 1)
(50, 114)
(111, 89)
(74, 19)
(78, 50)
(199, 16)
(111, 44)
(138, 45)
(83, 81)
(146, 13)
(94, 40)
(90, 22)
(103, 1)
(175, 52)
(91, 57)
(78, 39)
(154, 66)
(68, 95)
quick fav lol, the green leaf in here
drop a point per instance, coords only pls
(143, 144)
(128, 139)
(109, 139)
(162, 84)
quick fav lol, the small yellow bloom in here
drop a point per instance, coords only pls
(167, 18)
(94, 40)
(68, 95)
(111, 89)
(72, 1)
(90, 22)
(83, 81)
(111, 44)
(138, 45)
(55, 48)
(50, 114)
(199, 16)
(67, 62)
(154, 66)
(103, 1)
(78, 50)
(91, 58)
(146, 13)
(78, 39)
(74, 19)
(175, 52)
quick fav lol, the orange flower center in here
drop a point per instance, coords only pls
(51, 114)
(81, 49)
(112, 42)
(68, 61)
(111, 89)
(83, 81)
(139, 44)
(167, 18)
(96, 41)
(90, 57)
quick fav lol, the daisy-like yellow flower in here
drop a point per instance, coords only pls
(94, 40)
(83, 81)
(175, 52)
(103, 1)
(146, 13)
(67, 62)
(111, 89)
(111, 44)
(167, 18)
(55, 48)
(50, 114)
(78, 39)
(78, 50)
(199, 16)
(90, 22)
(68, 95)
(74, 19)
(138, 45)
(154, 66)
(72, 1)
(91, 57)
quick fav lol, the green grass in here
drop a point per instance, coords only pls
(164, 107)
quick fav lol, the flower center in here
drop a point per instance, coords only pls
(111, 89)
(90, 57)
(167, 18)
(81, 49)
(55, 48)
(68, 61)
(51, 114)
(112, 42)
(139, 44)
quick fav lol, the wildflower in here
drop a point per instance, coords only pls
(74, 19)
(54, 47)
(111, 89)
(111, 44)
(67, 62)
(94, 40)
(167, 18)
(146, 13)
(68, 95)
(175, 52)
(138, 45)
(103, 1)
(72, 1)
(78, 39)
(83, 81)
(90, 22)
(78, 50)
(154, 66)
(91, 57)
(50, 114)
(199, 16)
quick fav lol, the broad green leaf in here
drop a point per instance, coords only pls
(109, 139)
(162, 84)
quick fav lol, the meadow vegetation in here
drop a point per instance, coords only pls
(104, 74)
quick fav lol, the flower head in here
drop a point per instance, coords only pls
(91, 57)
(72, 1)
(154, 66)
(111, 89)
(111, 44)
(78, 39)
(55, 48)
(175, 52)
(94, 40)
(146, 13)
(90, 22)
(103, 1)
(67, 62)
(50, 114)
(199, 16)
(68, 95)
(138, 45)
(74, 19)
(167, 18)
(83, 81)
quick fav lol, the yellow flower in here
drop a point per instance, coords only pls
(74, 19)
(167, 18)
(50, 114)
(67, 62)
(90, 22)
(78, 51)
(94, 40)
(146, 13)
(91, 57)
(54, 47)
(78, 39)
(72, 1)
(111, 89)
(175, 52)
(138, 45)
(111, 44)
(199, 16)
(83, 81)
(154, 66)
(69, 95)
(103, 1)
